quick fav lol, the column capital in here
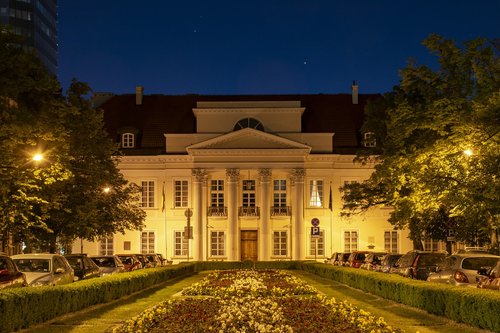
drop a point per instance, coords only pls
(200, 175)
(297, 175)
(265, 175)
(233, 175)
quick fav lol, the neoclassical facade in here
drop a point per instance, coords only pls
(244, 177)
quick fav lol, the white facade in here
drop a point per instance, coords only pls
(253, 182)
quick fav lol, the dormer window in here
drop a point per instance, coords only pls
(369, 140)
(128, 140)
(249, 123)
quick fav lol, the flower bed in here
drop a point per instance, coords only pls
(253, 301)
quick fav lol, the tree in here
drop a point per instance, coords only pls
(96, 201)
(439, 159)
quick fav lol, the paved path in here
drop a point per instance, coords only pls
(103, 318)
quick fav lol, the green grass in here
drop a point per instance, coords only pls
(104, 317)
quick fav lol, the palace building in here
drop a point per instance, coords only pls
(244, 177)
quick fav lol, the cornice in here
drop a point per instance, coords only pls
(243, 110)
(249, 152)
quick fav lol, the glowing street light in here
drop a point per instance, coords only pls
(37, 157)
(468, 152)
(106, 190)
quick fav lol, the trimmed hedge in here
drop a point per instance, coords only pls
(476, 307)
(23, 307)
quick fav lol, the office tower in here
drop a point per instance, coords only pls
(36, 20)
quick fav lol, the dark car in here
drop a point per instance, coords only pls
(489, 278)
(373, 261)
(342, 259)
(83, 266)
(388, 262)
(357, 258)
(154, 260)
(130, 261)
(10, 275)
(144, 260)
(418, 264)
(108, 264)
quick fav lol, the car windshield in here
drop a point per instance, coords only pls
(33, 265)
(127, 260)
(478, 262)
(75, 262)
(430, 259)
(104, 262)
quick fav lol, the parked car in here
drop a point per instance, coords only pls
(331, 259)
(44, 269)
(372, 261)
(461, 269)
(489, 278)
(356, 258)
(473, 249)
(109, 264)
(144, 260)
(130, 261)
(387, 262)
(83, 266)
(342, 259)
(418, 264)
(10, 275)
(154, 260)
(164, 261)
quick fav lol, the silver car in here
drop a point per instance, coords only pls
(461, 269)
(109, 264)
(44, 269)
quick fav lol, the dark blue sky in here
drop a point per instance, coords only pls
(257, 46)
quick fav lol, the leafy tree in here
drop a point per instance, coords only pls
(96, 200)
(438, 162)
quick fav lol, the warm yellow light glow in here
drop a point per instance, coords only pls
(468, 152)
(37, 157)
(106, 190)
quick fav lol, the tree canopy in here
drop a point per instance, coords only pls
(438, 135)
(76, 190)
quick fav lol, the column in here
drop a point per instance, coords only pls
(199, 176)
(264, 232)
(297, 237)
(232, 180)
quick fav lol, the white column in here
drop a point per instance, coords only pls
(232, 180)
(264, 234)
(199, 176)
(297, 237)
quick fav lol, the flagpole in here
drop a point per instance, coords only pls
(330, 206)
(164, 218)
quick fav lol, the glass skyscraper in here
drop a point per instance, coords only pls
(36, 20)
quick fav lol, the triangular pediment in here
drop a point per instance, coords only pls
(248, 138)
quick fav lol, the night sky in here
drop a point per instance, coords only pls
(258, 46)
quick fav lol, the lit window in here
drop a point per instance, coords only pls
(148, 242)
(316, 193)
(369, 139)
(317, 247)
(350, 241)
(148, 194)
(128, 140)
(280, 243)
(217, 243)
(181, 193)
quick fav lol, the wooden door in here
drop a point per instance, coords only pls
(249, 245)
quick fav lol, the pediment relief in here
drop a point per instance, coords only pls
(248, 138)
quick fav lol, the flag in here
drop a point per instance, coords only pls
(163, 197)
(330, 199)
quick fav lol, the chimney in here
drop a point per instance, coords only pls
(354, 92)
(139, 93)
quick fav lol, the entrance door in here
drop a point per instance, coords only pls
(249, 245)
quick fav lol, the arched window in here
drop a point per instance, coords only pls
(128, 140)
(249, 123)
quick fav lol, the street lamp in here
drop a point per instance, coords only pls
(37, 157)
(468, 152)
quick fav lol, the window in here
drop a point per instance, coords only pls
(391, 241)
(181, 194)
(217, 243)
(316, 193)
(350, 241)
(106, 246)
(319, 249)
(128, 140)
(148, 242)
(180, 244)
(127, 245)
(279, 195)
(431, 245)
(280, 243)
(217, 193)
(248, 193)
(148, 193)
(369, 139)
(249, 123)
